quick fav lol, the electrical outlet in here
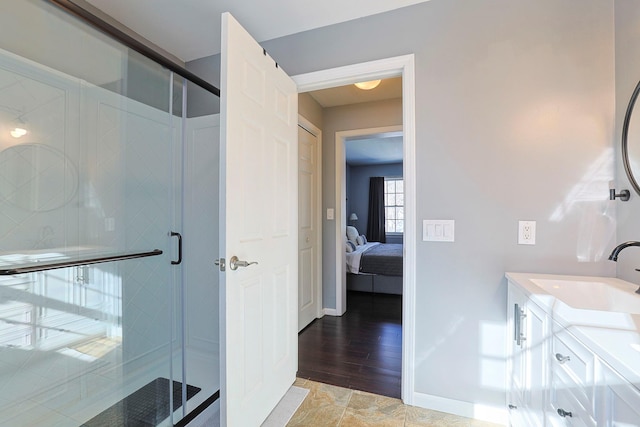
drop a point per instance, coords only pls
(526, 232)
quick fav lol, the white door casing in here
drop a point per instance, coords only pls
(349, 74)
(309, 224)
(259, 348)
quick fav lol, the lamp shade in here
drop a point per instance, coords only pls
(353, 217)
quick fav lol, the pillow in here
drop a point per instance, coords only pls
(360, 240)
(352, 233)
(350, 246)
(364, 239)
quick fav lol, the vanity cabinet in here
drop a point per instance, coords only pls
(555, 380)
(571, 387)
(619, 400)
(527, 354)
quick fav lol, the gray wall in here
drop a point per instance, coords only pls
(310, 109)
(514, 121)
(627, 20)
(358, 192)
(200, 101)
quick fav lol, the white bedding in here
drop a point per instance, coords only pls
(353, 258)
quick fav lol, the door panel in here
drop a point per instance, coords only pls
(259, 222)
(308, 282)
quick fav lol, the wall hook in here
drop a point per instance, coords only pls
(624, 195)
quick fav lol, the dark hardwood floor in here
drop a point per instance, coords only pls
(361, 350)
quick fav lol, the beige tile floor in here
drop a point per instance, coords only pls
(331, 406)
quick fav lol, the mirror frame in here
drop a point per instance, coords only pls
(625, 142)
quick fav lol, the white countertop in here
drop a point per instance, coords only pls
(612, 336)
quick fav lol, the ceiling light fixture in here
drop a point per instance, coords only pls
(368, 85)
(18, 132)
(18, 127)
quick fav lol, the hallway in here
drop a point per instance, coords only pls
(360, 350)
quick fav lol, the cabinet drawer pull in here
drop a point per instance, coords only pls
(512, 406)
(564, 413)
(518, 315)
(560, 358)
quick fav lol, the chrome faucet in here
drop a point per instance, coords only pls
(620, 247)
(616, 251)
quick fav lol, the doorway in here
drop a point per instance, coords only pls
(334, 230)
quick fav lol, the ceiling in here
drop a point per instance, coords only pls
(349, 94)
(377, 149)
(374, 150)
(190, 29)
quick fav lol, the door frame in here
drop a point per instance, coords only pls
(304, 123)
(341, 205)
(379, 69)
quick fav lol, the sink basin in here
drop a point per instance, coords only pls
(593, 295)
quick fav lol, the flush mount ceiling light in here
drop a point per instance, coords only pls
(18, 132)
(18, 127)
(368, 85)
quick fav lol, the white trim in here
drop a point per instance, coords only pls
(348, 74)
(330, 312)
(409, 238)
(492, 414)
(389, 67)
(317, 133)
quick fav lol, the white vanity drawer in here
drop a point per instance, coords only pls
(572, 357)
(620, 399)
(567, 409)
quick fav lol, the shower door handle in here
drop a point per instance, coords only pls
(179, 236)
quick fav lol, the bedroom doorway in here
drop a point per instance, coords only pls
(334, 230)
(362, 348)
(333, 269)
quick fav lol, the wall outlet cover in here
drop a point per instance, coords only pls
(526, 232)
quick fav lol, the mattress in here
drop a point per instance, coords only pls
(384, 259)
(376, 258)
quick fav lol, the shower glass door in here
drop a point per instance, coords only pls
(92, 137)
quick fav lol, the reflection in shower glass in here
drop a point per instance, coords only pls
(99, 171)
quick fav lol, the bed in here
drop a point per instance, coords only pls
(373, 266)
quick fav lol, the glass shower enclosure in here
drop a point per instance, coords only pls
(108, 230)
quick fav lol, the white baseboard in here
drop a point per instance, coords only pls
(481, 412)
(330, 312)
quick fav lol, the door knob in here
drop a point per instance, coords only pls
(564, 413)
(234, 263)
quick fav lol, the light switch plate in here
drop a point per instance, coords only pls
(438, 230)
(330, 214)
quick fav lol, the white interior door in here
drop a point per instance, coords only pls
(308, 265)
(260, 215)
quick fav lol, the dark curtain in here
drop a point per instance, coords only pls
(375, 220)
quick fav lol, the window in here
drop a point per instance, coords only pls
(394, 205)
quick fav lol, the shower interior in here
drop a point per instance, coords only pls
(120, 156)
